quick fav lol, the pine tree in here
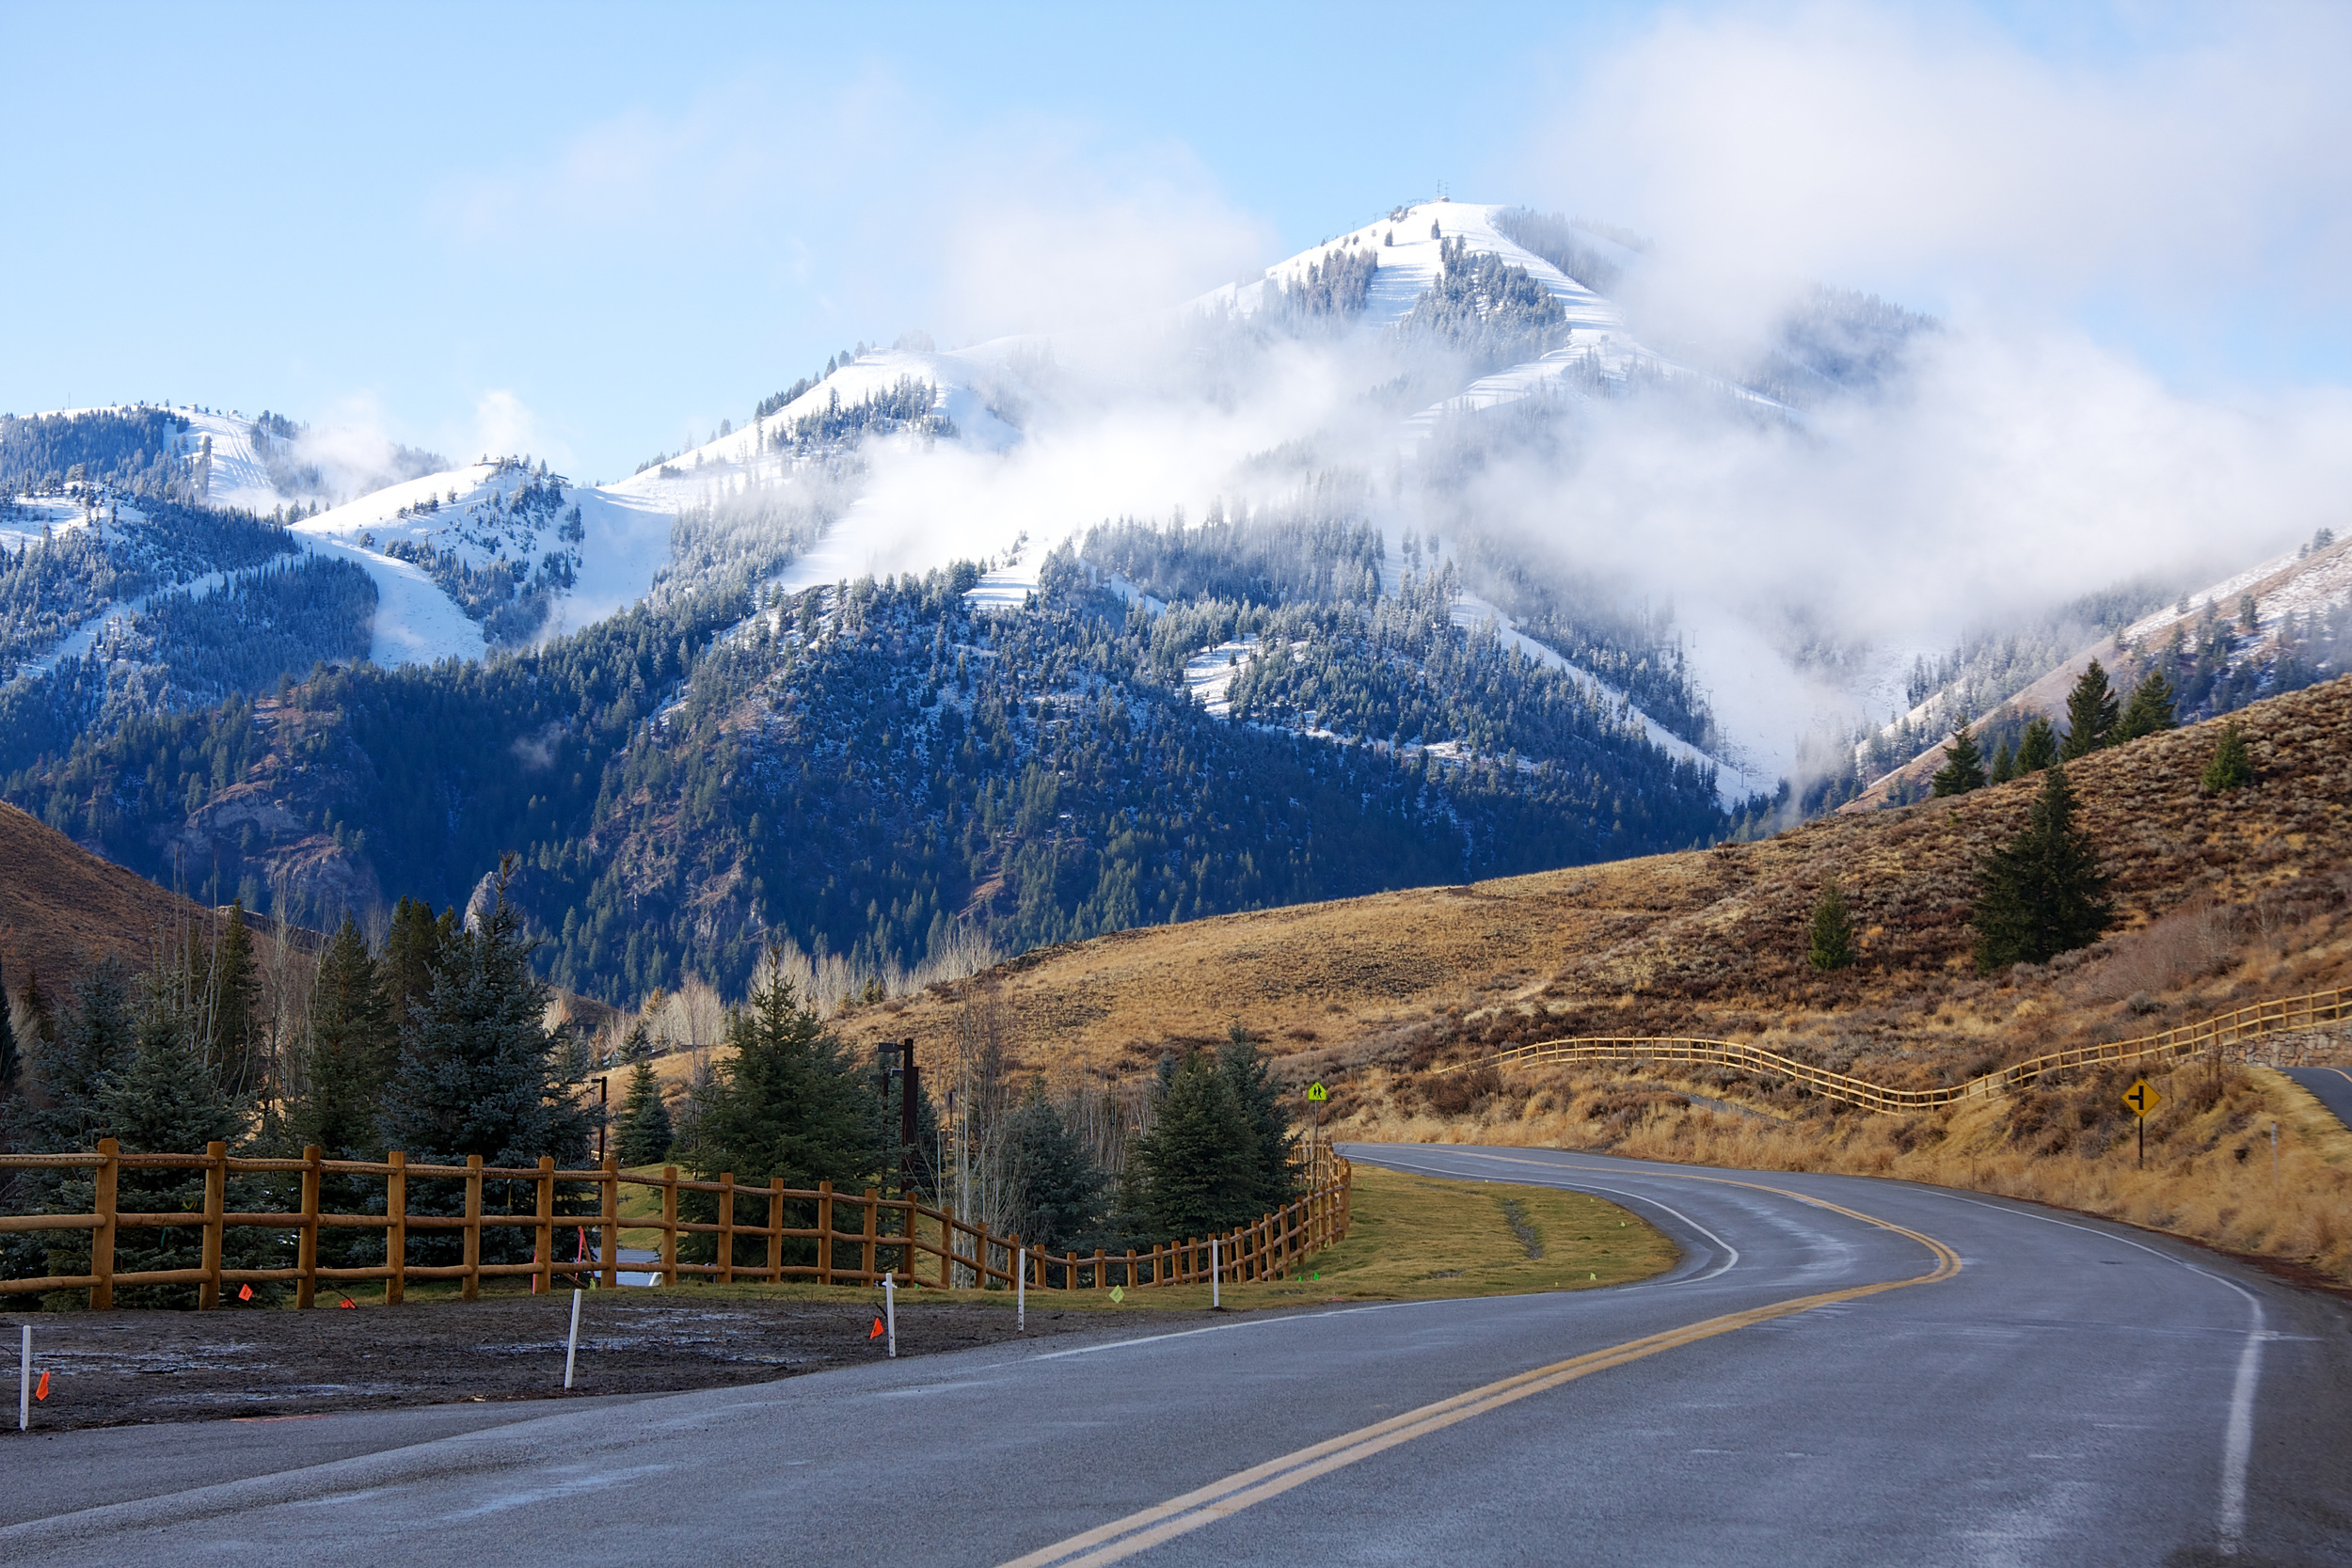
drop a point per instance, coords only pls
(2090, 714)
(1245, 1068)
(2004, 764)
(93, 1042)
(1964, 765)
(790, 1103)
(2044, 894)
(480, 1074)
(2038, 748)
(218, 985)
(2230, 768)
(647, 1132)
(164, 1102)
(1832, 931)
(1059, 1192)
(2148, 712)
(412, 949)
(351, 1051)
(1200, 1160)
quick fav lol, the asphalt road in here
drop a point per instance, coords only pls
(2330, 1085)
(2049, 1390)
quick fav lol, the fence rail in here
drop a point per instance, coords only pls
(2214, 1035)
(903, 1236)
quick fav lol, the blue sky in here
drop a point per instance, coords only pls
(593, 232)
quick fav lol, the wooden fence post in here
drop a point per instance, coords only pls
(396, 1230)
(547, 1224)
(776, 1231)
(824, 1232)
(307, 1242)
(873, 1214)
(726, 1228)
(216, 1204)
(668, 1225)
(102, 1239)
(471, 1289)
(610, 1218)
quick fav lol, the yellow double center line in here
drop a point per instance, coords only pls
(1124, 1538)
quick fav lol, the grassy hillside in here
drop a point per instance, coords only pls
(62, 907)
(2219, 901)
(1713, 942)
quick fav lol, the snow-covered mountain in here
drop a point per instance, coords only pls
(1429, 374)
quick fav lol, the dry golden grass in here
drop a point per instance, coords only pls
(2208, 1174)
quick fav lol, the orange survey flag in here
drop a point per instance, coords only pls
(245, 1292)
(875, 1333)
(41, 1391)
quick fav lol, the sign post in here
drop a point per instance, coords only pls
(1316, 1095)
(2141, 1100)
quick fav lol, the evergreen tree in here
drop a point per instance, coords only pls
(1200, 1161)
(351, 1054)
(790, 1103)
(234, 1049)
(1245, 1068)
(2149, 711)
(2231, 768)
(412, 950)
(163, 1102)
(1832, 933)
(2004, 764)
(480, 1074)
(2090, 714)
(1060, 1192)
(1964, 765)
(2038, 748)
(647, 1132)
(2044, 894)
(93, 1042)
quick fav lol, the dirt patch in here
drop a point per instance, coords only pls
(111, 1368)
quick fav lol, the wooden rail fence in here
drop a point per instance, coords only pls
(902, 1235)
(2223, 1033)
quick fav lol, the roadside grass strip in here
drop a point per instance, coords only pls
(1410, 1238)
(1221, 1500)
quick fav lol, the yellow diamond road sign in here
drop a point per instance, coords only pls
(2141, 1097)
(1119, 1292)
(1317, 1093)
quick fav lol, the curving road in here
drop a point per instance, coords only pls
(1840, 1370)
(2330, 1085)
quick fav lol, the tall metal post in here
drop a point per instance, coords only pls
(907, 1076)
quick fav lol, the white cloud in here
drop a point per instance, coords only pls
(1919, 146)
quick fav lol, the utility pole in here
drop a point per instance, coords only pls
(604, 1098)
(908, 1076)
(898, 1060)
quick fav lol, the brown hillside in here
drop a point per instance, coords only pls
(62, 907)
(2218, 900)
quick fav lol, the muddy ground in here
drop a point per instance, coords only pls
(108, 1369)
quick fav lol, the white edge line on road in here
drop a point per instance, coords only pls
(1212, 1328)
(2237, 1442)
(1731, 1254)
